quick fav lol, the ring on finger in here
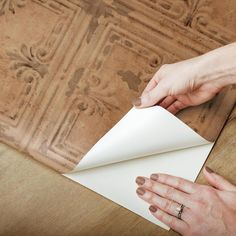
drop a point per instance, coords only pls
(179, 210)
(171, 207)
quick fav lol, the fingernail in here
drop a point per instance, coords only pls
(154, 177)
(137, 102)
(140, 191)
(209, 170)
(153, 208)
(140, 180)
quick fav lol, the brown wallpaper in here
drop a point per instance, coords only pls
(69, 69)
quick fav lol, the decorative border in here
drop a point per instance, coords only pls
(195, 17)
(180, 10)
(32, 64)
(7, 6)
(112, 34)
(202, 22)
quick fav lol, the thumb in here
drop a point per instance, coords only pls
(151, 97)
(217, 181)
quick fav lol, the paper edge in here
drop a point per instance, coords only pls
(205, 141)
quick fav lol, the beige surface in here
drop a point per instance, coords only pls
(36, 200)
(69, 73)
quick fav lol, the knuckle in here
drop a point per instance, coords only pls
(207, 191)
(153, 199)
(181, 105)
(169, 192)
(166, 87)
(167, 206)
(179, 183)
(176, 105)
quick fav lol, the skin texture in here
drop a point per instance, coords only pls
(190, 82)
(209, 210)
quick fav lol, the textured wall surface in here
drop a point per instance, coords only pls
(70, 68)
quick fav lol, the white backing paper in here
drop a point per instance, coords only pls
(143, 142)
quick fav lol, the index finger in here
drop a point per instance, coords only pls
(175, 182)
(151, 85)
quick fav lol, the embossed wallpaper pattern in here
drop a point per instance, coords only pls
(70, 68)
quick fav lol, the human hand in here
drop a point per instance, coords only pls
(190, 82)
(177, 86)
(208, 210)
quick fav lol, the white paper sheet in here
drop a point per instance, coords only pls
(143, 142)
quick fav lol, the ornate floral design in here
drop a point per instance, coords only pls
(179, 10)
(27, 64)
(202, 21)
(93, 95)
(10, 5)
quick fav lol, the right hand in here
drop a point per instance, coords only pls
(190, 82)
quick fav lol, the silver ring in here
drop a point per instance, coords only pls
(179, 210)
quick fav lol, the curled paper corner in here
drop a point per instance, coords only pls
(143, 142)
(141, 132)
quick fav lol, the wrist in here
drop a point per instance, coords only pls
(217, 66)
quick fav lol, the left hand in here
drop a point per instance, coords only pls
(208, 210)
